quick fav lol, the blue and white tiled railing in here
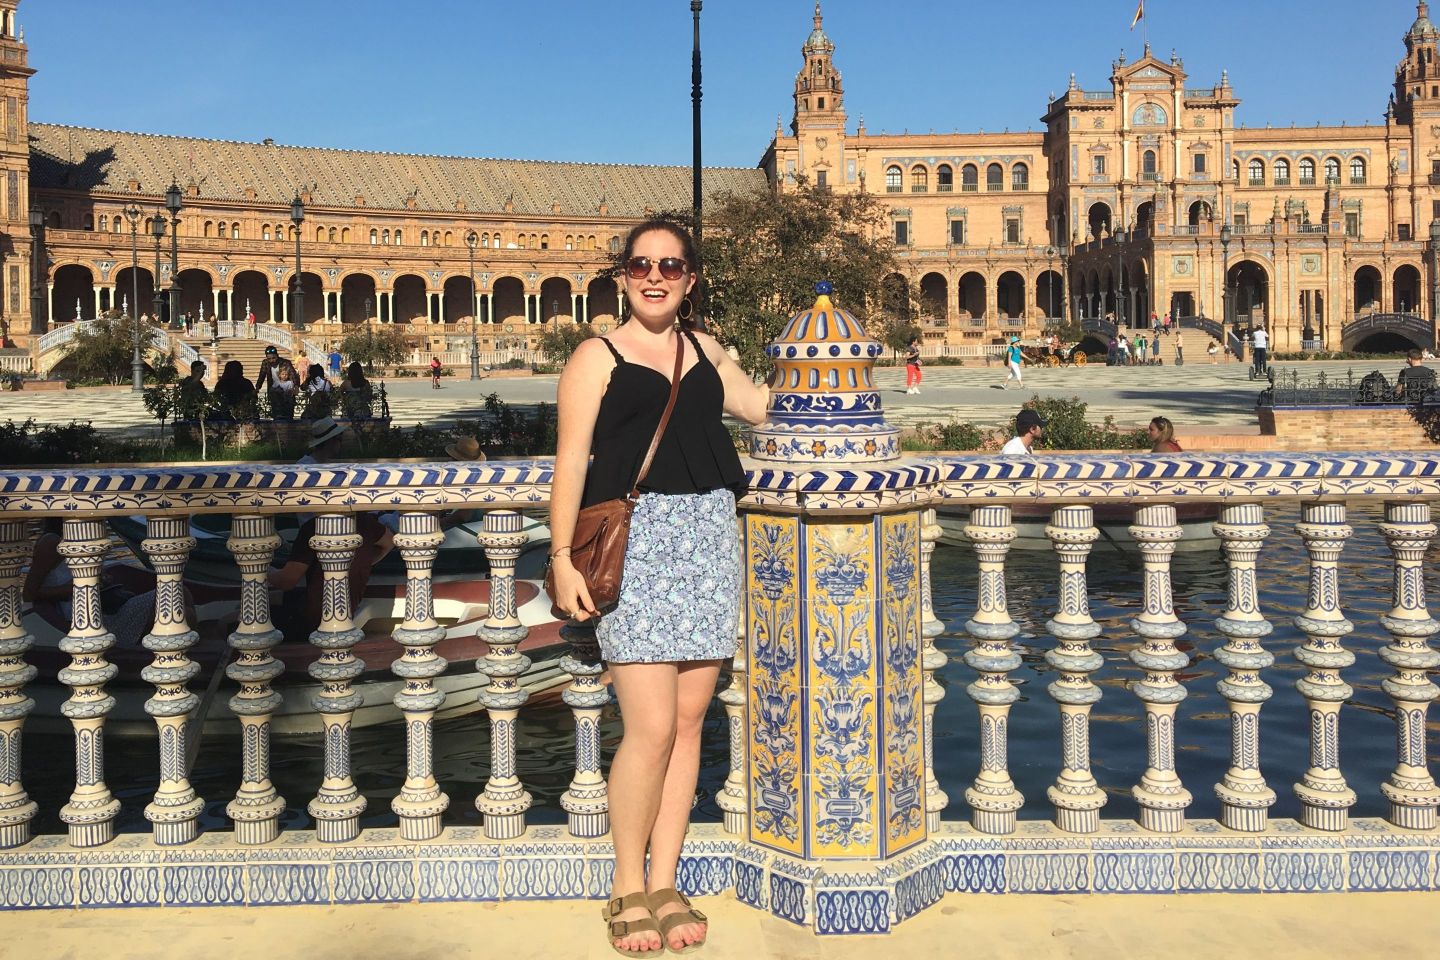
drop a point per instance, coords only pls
(842, 547)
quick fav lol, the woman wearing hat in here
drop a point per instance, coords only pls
(1012, 361)
(679, 601)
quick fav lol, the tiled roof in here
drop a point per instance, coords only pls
(79, 158)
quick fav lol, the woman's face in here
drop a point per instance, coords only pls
(1153, 431)
(653, 299)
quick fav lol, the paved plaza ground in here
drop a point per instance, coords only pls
(1199, 397)
(1313, 926)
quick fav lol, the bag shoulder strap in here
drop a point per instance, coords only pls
(664, 418)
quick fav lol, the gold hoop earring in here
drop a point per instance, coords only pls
(686, 311)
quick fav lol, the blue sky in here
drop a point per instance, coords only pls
(609, 80)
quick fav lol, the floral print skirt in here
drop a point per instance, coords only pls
(680, 596)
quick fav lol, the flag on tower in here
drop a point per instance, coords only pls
(1139, 14)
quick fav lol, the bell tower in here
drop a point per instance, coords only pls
(1417, 78)
(15, 242)
(819, 123)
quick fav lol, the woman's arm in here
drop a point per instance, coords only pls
(582, 384)
(744, 398)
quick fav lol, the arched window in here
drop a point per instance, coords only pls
(265, 232)
(235, 232)
(344, 234)
(1020, 177)
(205, 230)
(1332, 169)
(994, 177)
(944, 178)
(332, 234)
(592, 243)
(520, 241)
(919, 179)
(319, 233)
(484, 239)
(544, 241)
(1282, 172)
(969, 178)
(89, 222)
(1147, 165)
(614, 244)
(385, 238)
(115, 225)
(1357, 169)
(570, 242)
(424, 238)
(449, 238)
(1307, 172)
(220, 230)
(104, 223)
(399, 238)
(374, 237)
(894, 180)
(1257, 172)
(1234, 169)
(291, 232)
(534, 241)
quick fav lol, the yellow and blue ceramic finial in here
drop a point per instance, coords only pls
(824, 407)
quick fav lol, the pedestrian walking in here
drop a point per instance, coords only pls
(434, 373)
(1013, 355)
(912, 366)
(1165, 324)
(1214, 351)
(1140, 348)
(1179, 348)
(1124, 351)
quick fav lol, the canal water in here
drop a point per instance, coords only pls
(546, 745)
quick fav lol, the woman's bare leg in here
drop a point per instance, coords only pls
(647, 693)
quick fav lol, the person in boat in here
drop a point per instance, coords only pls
(1162, 436)
(301, 581)
(1029, 427)
(234, 390)
(127, 593)
(679, 602)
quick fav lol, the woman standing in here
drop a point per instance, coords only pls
(912, 366)
(679, 601)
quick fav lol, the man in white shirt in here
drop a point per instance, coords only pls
(1029, 427)
(1260, 346)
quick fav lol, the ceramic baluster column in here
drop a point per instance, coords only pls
(1245, 798)
(90, 814)
(338, 804)
(931, 660)
(16, 807)
(587, 801)
(175, 809)
(257, 806)
(1160, 794)
(1325, 798)
(1411, 789)
(732, 798)
(1076, 795)
(504, 800)
(993, 796)
(421, 802)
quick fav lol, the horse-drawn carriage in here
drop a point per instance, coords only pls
(1037, 352)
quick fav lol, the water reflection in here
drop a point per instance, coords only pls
(546, 741)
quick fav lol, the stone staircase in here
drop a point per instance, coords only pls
(250, 353)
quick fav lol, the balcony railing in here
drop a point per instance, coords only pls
(988, 493)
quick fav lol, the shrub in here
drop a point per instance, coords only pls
(514, 363)
(1067, 429)
(560, 341)
(949, 436)
(376, 347)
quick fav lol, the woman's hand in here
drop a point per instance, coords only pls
(572, 596)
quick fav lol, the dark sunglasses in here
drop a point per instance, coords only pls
(671, 268)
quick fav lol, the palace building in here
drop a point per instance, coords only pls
(1140, 199)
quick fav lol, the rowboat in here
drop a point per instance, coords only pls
(1196, 522)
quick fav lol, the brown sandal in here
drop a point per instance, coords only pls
(624, 928)
(678, 918)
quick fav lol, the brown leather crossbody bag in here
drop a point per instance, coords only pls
(602, 530)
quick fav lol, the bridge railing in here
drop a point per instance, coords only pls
(783, 509)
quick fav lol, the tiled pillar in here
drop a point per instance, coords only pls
(835, 692)
(1245, 798)
(421, 802)
(175, 810)
(1325, 797)
(17, 810)
(1160, 794)
(338, 804)
(504, 800)
(993, 797)
(587, 801)
(931, 661)
(1411, 789)
(257, 807)
(1076, 795)
(90, 814)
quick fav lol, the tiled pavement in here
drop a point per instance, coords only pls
(1195, 395)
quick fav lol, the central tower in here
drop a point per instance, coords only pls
(819, 122)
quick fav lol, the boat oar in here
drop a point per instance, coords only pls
(1130, 560)
(196, 725)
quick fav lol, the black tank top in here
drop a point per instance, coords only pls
(695, 455)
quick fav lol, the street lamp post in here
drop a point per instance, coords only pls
(1434, 275)
(297, 217)
(137, 365)
(1050, 274)
(1119, 238)
(1225, 327)
(157, 228)
(174, 204)
(555, 314)
(39, 312)
(470, 241)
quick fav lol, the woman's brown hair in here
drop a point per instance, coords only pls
(1166, 428)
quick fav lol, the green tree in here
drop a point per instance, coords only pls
(763, 253)
(559, 342)
(376, 347)
(104, 348)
